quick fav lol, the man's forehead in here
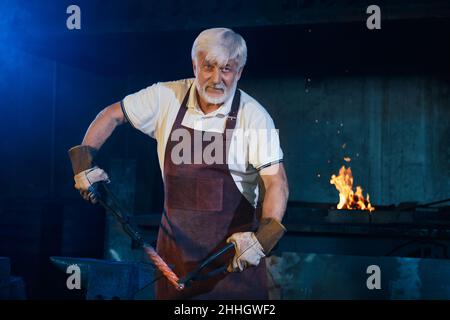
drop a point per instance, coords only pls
(202, 57)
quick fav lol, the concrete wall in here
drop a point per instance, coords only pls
(394, 128)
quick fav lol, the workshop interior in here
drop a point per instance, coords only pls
(361, 99)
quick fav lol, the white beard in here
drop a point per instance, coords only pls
(219, 100)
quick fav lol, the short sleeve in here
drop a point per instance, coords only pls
(263, 141)
(142, 109)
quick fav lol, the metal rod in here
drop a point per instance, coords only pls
(123, 219)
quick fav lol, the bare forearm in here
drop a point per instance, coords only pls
(103, 126)
(276, 191)
(275, 200)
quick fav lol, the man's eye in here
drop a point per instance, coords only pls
(226, 69)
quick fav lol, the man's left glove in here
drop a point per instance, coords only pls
(248, 251)
(251, 247)
(86, 173)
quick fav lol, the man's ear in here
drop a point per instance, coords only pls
(239, 73)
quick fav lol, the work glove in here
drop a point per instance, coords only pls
(251, 247)
(248, 251)
(85, 171)
(85, 179)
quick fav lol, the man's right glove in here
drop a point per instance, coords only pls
(85, 171)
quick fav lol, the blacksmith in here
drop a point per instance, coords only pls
(227, 186)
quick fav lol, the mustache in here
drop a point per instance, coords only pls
(220, 86)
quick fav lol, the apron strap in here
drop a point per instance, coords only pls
(183, 108)
(231, 120)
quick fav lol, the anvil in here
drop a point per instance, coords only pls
(104, 279)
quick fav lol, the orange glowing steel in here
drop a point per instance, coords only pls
(348, 199)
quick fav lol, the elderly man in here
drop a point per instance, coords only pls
(207, 203)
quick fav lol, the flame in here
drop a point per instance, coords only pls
(347, 198)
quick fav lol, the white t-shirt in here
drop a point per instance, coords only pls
(153, 111)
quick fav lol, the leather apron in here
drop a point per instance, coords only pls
(202, 208)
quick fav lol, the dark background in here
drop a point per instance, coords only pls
(333, 87)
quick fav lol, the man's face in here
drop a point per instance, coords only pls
(215, 83)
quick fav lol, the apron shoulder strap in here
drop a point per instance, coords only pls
(232, 116)
(183, 108)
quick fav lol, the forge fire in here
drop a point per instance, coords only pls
(349, 199)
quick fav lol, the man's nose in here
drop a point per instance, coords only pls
(215, 78)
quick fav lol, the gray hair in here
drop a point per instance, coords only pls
(220, 45)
